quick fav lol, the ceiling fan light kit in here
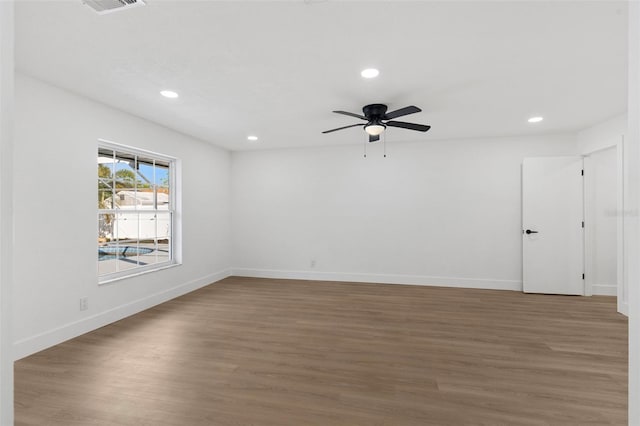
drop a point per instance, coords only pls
(374, 129)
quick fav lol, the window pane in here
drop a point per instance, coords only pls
(105, 179)
(145, 184)
(127, 244)
(147, 238)
(163, 233)
(126, 179)
(162, 180)
(106, 231)
(107, 262)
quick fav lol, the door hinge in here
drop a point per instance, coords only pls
(583, 223)
(583, 276)
(582, 172)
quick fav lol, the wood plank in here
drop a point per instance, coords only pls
(288, 352)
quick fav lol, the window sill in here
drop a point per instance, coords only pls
(111, 280)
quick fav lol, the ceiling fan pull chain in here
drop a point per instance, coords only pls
(384, 144)
(365, 147)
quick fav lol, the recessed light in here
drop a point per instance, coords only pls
(535, 119)
(252, 138)
(169, 94)
(370, 73)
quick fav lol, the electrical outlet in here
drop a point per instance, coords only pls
(312, 263)
(84, 303)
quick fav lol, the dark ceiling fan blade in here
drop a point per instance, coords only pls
(350, 114)
(410, 126)
(340, 128)
(374, 138)
(400, 112)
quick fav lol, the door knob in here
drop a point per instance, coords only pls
(529, 231)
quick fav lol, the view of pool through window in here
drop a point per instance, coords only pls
(135, 211)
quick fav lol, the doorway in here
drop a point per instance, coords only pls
(554, 201)
(604, 226)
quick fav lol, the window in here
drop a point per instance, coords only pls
(135, 211)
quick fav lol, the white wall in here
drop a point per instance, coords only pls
(6, 213)
(56, 222)
(602, 135)
(434, 212)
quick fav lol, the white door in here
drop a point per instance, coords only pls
(552, 225)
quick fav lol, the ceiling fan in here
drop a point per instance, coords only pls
(378, 119)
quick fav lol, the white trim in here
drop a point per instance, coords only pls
(104, 143)
(623, 308)
(588, 206)
(138, 272)
(605, 289)
(33, 344)
(620, 204)
(632, 188)
(482, 283)
(115, 9)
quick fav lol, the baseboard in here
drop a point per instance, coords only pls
(33, 344)
(482, 283)
(604, 289)
(623, 308)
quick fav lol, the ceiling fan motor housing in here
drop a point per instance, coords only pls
(374, 112)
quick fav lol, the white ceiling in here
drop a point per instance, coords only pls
(278, 69)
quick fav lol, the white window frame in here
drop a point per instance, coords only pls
(173, 213)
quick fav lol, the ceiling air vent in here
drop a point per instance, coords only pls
(108, 6)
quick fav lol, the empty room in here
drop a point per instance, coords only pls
(319, 212)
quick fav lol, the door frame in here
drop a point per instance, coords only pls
(589, 231)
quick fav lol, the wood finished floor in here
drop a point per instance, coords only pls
(277, 352)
